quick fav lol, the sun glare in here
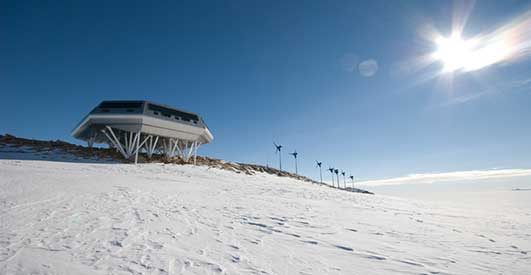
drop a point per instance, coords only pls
(458, 54)
(453, 52)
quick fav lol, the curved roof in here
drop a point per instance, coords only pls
(143, 116)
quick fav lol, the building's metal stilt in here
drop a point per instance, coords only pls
(174, 147)
(150, 150)
(131, 143)
(115, 141)
(189, 148)
(134, 139)
(90, 141)
(195, 153)
(137, 146)
(179, 149)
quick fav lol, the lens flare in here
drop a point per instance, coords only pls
(509, 42)
(453, 52)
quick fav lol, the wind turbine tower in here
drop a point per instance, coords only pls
(344, 180)
(333, 179)
(337, 175)
(294, 154)
(279, 151)
(320, 170)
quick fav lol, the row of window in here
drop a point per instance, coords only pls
(175, 117)
(121, 104)
(127, 110)
(136, 106)
(167, 112)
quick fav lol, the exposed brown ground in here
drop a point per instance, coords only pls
(11, 141)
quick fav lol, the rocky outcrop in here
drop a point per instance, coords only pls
(14, 143)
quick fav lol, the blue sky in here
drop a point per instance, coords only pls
(284, 71)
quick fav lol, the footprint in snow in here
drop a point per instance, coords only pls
(346, 248)
(376, 257)
(116, 243)
(278, 219)
(485, 237)
(292, 234)
(155, 245)
(258, 242)
(235, 259)
(410, 263)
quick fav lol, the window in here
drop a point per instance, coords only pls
(167, 112)
(121, 104)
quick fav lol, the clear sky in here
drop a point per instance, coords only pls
(339, 81)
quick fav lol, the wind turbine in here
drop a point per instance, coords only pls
(337, 175)
(344, 180)
(333, 179)
(279, 151)
(352, 179)
(320, 171)
(294, 154)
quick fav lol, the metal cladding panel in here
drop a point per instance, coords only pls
(125, 124)
(173, 129)
(93, 123)
(163, 132)
(208, 137)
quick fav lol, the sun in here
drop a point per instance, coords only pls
(454, 52)
(459, 54)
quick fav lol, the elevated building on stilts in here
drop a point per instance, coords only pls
(142, 126)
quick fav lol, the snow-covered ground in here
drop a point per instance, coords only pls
(86, 218)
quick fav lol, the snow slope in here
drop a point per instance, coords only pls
(85, 218)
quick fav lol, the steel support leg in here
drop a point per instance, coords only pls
(115, 141)
(137, 146)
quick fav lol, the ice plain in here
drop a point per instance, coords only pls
(108, 218)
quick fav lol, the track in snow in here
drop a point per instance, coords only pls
(81, 218)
